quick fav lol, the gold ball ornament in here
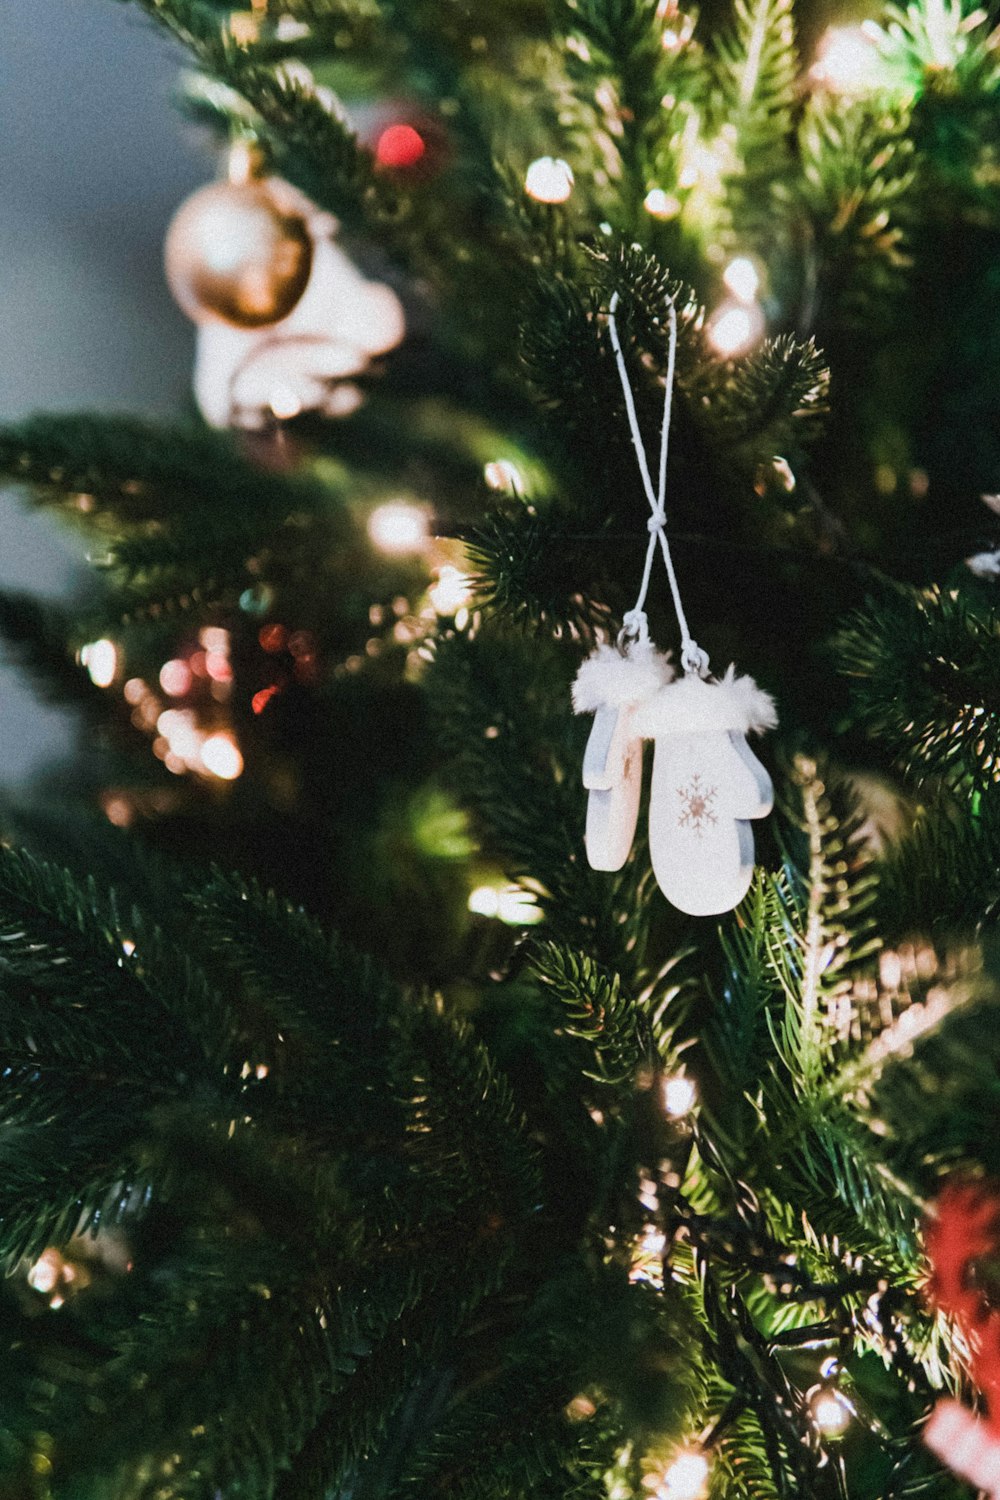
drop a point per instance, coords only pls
(234, 255)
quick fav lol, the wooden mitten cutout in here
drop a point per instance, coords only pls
(611, 684)
(707, 785)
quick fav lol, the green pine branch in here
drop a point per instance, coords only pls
(922, 668)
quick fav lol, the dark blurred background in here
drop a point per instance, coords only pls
(93, 161)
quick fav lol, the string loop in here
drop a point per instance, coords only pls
(635, 623)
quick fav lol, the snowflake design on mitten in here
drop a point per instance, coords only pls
(696, 805)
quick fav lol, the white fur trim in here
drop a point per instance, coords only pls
(692, 706)
(607, 679)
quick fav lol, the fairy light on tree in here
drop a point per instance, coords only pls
(399, 527)
(101, 661)
(847, 61)
(679, 1094)
(742, 278)
(549, 179)
(684, 1478)
(734, 328)
(830, 1410)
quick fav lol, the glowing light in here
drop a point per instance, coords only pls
(647, 1257)
(135, 690)
(46, 1273)
(661, 205)
(175, 678)
(398, 527)
(830, 1410)
(518, 908)
(846, 61)
(128, 947)
(220, 755)
(214, 638)
(580, 1409)
(178, 728)
(510, 904)
(741, 278)
(260, 700)
(217, 666)
(549, 179)
(679, 1095)
(400, 146)
(484, 901)
(101, 660)
(285, 402)
(685, 1479)
(118, 811)
(504, 477)
(735, 328)
(452, 592)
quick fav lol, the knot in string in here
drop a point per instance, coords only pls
(635, 626)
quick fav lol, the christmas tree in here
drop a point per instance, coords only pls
(360, 1137)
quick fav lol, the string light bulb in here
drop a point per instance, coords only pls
(549, 179)
(685, 1478)
(679, 1095)
(742, 279)
(452, 592)
(830, 1410)
(398, 527)
(220, 756)
(661, 205)
(734, 328)
(847, 61)
(504, 476)
(101, 661)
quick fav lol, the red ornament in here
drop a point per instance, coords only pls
(260, 700)
(967, 1229)
(399, 146)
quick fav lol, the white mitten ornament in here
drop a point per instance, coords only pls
(611, 684)
(707, 785)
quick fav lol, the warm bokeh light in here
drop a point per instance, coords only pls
(398, 527)
(101, 660)
(176, 678)
(830, 1411)
(847, 61)
(504, 476)
(684, 1479)
(734, 328)
(741, 278)
(679, 1095)
(661, 205)
(452, 592)
(510, 904)
(260, 700)
(220, 755)
(285, 402)
(647, 1257)
(549, 179)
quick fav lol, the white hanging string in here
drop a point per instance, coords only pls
(636, 624)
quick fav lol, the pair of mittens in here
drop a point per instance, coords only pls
(707, 786)
(612, 684)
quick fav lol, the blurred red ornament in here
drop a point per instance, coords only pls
(400, 146)
(260, 700)
(273, 638)
(964, 1231)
